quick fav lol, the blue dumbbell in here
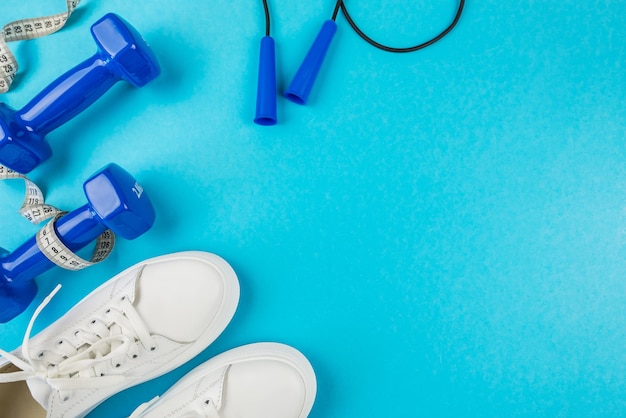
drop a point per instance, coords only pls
(115, 201)
(122, 55)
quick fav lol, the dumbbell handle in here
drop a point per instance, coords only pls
(67, 96)
(76, 230)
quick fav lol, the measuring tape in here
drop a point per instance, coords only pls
(36, 210)
(25, 29)
(33, 207)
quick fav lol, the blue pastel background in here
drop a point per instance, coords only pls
(442, 233)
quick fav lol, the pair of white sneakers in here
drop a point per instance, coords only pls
(145, 322)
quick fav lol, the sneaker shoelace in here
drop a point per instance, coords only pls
(107, 343)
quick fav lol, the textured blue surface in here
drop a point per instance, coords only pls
(442, 233)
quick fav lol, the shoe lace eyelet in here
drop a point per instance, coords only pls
(154, 348)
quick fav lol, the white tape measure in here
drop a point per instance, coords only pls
(33, 207)
(36, 210)
(25, 29)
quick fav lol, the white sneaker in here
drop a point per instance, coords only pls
(262, 380)
(144, 322)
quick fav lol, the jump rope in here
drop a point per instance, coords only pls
(36, 210)
(34, 207)
(302, 83)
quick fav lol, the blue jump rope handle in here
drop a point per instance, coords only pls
(301, 85)
(266, 86)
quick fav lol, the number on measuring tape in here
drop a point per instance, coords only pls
(53, 248)
(25, 29)
(33, 207)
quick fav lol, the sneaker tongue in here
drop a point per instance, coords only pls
(40, 390)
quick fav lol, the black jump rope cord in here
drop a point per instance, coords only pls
(267, 18)
(340, 5)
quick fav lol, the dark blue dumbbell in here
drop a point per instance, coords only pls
(115, 202)
(122, 55)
